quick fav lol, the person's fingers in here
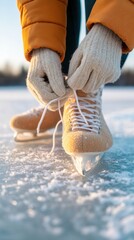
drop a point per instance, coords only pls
(94, 78)
(114, 76)
(54, 105)
(37, 81)
(52, 67)
(42, 93)
(56, 80)
(75, 62)
(78, 80)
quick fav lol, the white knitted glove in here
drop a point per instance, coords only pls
(45, 80)
(96, 61)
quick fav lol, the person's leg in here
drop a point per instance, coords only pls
(88, 7)
(123, 59)
(73, 32)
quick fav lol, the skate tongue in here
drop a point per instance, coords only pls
(81, 93)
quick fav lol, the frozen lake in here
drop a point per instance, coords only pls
(46, 199)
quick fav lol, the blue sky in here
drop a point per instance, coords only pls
(11, 47)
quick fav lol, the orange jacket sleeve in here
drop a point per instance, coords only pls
(117, 15)
(43, 25)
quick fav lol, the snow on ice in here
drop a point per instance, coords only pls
(45, 198)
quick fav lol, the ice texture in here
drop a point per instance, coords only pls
(44, 198)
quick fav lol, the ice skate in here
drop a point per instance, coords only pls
(25, 125)
(85, 133)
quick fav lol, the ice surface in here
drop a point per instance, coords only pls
(45, 198)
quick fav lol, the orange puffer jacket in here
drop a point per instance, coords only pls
(44, 22)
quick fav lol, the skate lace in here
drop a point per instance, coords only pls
(84, 113)
(58, 123)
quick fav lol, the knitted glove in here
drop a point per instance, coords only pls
(45, 80)
(96, 61)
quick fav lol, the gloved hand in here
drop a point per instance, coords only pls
(96, 61)
(45, 80)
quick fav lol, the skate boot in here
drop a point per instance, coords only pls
(25, 124)
(85, 133)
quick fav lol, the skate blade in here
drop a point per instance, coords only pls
(86, 161)
(32, 136)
